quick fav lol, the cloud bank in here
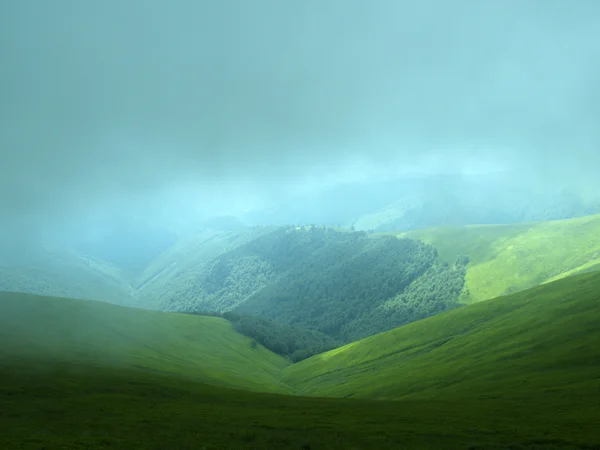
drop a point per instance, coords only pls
(220, 105)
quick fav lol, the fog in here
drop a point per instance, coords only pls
(172, 111)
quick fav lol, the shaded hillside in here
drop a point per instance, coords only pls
(433, 292)
(537, 345)
(320, 279)
(509, 258)
(63, 334)
(64, 273)
(185, 262)
(286, 340)
(342, 292)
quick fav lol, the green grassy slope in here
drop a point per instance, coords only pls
(100, 409)
(520, 372)
(37, 331)
(336, 283)
(509, 258)
(185, 261)
(64, 274)
(536, 345)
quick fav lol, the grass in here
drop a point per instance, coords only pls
(520, 372)
(509, 258)
(537, 344)
(64, 274)
(121, 410)
(184, 261)
(78, 333)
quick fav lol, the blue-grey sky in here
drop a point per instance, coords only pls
(227, 103)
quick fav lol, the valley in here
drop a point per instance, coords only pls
(514, 372)
(310, 225)
(305, 290)
(311, 337)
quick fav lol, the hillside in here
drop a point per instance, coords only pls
(321, 279)
(63, 273)
(39, 332)
(536, 345)
(510, 258)
(335, 282)
(518, 372)
(185, 261)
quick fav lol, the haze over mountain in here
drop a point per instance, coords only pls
(148, 112)
(218, 218)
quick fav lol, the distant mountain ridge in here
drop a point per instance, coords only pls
(344, 284)
(428, 200)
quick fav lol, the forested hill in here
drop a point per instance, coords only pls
(335, 282)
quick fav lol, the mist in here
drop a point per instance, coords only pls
(167, 111)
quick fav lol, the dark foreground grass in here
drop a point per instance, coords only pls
(92, 408)
(520, 372)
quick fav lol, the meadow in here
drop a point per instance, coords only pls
(517, 372)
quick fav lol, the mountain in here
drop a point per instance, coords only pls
(416, 201)
(185, 261)
(133, 238)
(514, 372)
(344, 284)
(454, 200)
(509, 258)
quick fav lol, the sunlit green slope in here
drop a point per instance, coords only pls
(542, 342)
(510, 258)
(40, 332)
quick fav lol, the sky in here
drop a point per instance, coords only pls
(192, 105)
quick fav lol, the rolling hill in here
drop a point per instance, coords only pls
(537, 344)
(63, 273)
(519, 372)
(337, 282)
(509, 258)
(185, 261)
(66, 333)
(345, 284)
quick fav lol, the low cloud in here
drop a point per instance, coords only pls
(130, 104)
